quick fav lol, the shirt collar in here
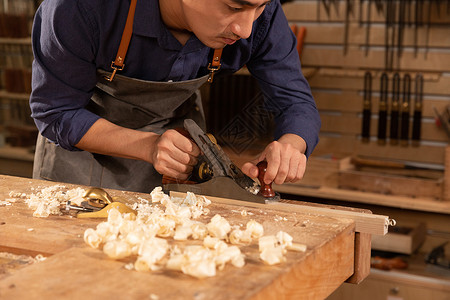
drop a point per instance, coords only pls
(148, 22)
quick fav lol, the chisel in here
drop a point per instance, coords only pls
(368, 28)
(418, 23)
(367, 107)
(348, 11)
(404, 132)
(382, 110)
(395, 107)
(418, 104)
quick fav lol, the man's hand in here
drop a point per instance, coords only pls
(174, 155)
(171, 153)
(286, 161)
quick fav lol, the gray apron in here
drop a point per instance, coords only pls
(131, 103)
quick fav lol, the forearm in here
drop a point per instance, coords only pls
(294, 140)
(107, 138)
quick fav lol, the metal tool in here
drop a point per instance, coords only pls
(369, 5)
(215, 174)
(438, 261)
(348, 11)
(443, 120)
(367, 107)
(395, 110)
(401, 28)
(382, 110)
(97, 204)
(389, 35)
(404, 131)
(418, 23)
(418, 104)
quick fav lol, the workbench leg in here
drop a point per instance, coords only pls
(363, 243)
(446, 195)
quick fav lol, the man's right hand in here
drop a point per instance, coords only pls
(174, 155)
(171, 153)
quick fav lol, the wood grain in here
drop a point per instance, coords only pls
(75, 271)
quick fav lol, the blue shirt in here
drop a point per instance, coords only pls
(73, 38)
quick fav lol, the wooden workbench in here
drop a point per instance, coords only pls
(75, 271)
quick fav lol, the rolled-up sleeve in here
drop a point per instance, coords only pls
(276, 66)
(64, 72)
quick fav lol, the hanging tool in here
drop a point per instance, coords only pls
(404, 131)
(361, 13)
(348, 11)
(418, 21)
(438, 258)
(401, 28)
(428, 25)
(326, 5)
(367, 107)
(390, 35)
(443, 120)
(369, 5)
(382, 110)
(216, 175)
(418, 104)
(395, 108)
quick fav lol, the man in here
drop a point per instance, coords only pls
(125, 126)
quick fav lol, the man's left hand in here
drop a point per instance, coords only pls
(286, 161)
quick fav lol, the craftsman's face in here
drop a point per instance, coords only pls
(218, 23)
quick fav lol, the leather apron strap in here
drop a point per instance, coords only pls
(119, 63)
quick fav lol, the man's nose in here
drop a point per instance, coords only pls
(242, 25)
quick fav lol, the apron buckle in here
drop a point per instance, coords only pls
(115, 69)
(212, 71)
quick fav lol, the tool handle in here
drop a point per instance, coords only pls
(382, 119)
(416, 125)
(266, 189)
(366, 125)
(394, 125)
(300, 40)
(404, 134)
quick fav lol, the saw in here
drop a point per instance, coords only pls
(216, 175)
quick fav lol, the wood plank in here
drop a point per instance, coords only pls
(350, 124)
(330, 34)
(342, 145)
(352, 101)
(324, 192)
(440, 86)
(446, 194)
(306, 10)
(87, 274)
(364, 221)
(362, 257)
(76, 271)
(390, 184)
(320, 56)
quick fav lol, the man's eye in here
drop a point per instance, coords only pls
(235, 8)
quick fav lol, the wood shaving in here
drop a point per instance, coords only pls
(163, 218)
(47, 201)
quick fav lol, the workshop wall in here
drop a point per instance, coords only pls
(346, 39)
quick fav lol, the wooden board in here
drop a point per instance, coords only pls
(75, 271)
(365, 221)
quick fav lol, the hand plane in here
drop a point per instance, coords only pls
(216, 175)
(97, 203)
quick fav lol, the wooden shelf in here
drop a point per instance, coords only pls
(15, 96)
(421, 204)
(18, 41)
